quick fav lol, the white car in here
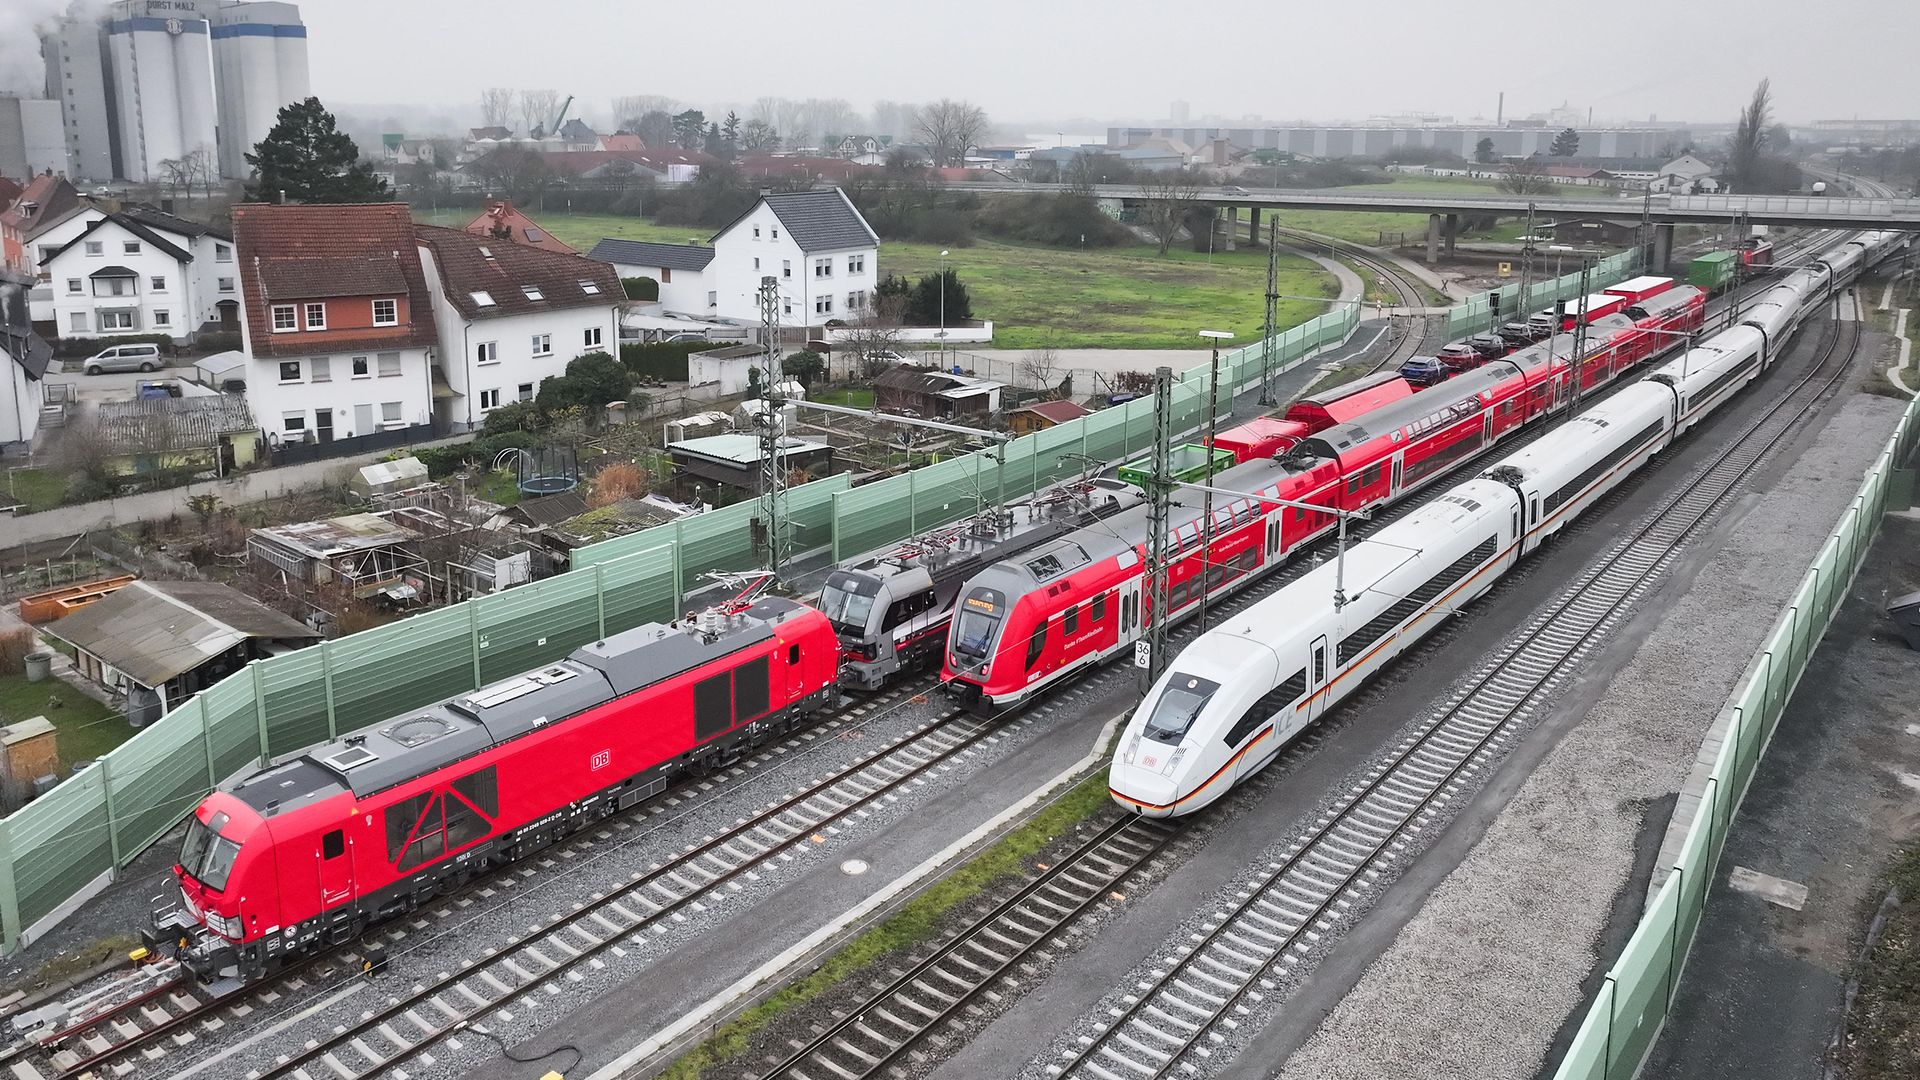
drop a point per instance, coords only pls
(140, 357)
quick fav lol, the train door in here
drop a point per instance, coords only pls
(1316, 678)
(1130, 610)
(1397, 474)
(336, 869)
(1518, 548)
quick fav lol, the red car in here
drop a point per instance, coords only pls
(1459, 356)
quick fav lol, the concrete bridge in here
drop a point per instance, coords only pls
(1444, 211)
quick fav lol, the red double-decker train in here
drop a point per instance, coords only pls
(1025, 624)
(309, 852)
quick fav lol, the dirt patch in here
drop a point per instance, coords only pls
(1882, 1040)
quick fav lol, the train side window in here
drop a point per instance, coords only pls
(751, 693)
(1319, 664)
(464, 824)
(897, 612)
(333, 845)
(712, 706)
(402, 816)
(1071, 623)
(1099, 613)
(1036, 644)
(793, 656)
(1534, 517)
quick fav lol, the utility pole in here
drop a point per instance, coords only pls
(773, 420)
(1214, 337)
(1159, 490)
(1581, 316)
(1525, 306)
(1273, 311)
(1646, 229)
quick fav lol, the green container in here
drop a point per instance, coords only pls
(1713, 270)
(1188, 465)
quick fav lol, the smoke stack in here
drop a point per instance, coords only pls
(1500, 110)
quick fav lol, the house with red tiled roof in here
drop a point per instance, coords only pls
(622, 141)
(337, 321)
(511, 316)
(44, 216)
(501, 220)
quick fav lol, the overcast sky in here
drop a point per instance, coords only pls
(1049, 60)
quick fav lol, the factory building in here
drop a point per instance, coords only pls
(159, 80)
(30, 139)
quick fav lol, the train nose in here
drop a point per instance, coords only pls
(1142, 791)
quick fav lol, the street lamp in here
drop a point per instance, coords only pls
(1214, 338)
(943, 309)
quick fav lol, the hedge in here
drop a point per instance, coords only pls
(87, 346)
(641, 288)
(665, 360)
(443, 460)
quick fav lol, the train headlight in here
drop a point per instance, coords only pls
(1133, 747)
(1173, 762)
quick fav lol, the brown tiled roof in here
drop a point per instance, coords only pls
(502, 215)
(329, 249)
(1057, 411)
(54, 200)
(465, 267)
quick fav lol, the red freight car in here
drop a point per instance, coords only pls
(311, 851)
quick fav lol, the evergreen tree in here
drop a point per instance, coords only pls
(306, 158)
(1483, 151)
(927, 302)
(1566, 144)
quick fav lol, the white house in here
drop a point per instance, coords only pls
(824, 255)
(679, 268)
(1684, 175)
(509, 316)
(339, 328)
(23, 370)
(139, 271)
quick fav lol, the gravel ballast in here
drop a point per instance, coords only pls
(1482, 978)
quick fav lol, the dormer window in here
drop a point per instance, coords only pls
(386, 312)
(283, 318)
(589, 288)
(222, 253)
(482, 298)
(316, 316)
(532, 292)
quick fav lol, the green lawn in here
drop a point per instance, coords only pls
(853, 397)
(1365, 227)
(1122, 298)
(87, 729)
(497, 485)
(39, 489)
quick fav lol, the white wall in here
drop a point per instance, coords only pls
(56, 237)
(736, 281)
(730, 374)
(178, 300)
(686, 294)
(20, 401)
(355, 403)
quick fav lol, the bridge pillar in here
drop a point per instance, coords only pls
(1662, 249)
(1232, 227)
(1433, 239)
(1453, 230)
(1253, 225)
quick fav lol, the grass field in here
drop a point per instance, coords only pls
(40, 489)
(1364, 227)
(86, 728)
(1116, 298)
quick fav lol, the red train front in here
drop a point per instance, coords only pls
(311, 851)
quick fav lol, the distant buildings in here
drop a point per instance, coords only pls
(152, 82)
(31, 142)
(1374, 141)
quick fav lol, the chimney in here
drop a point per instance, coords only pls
(1500, 110)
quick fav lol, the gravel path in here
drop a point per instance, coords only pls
(1481, 979)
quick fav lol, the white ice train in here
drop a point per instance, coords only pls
(1231, 700)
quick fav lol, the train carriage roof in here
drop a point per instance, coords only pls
(1677, 297)
(1461, 391)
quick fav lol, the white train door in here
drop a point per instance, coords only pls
(1317, 664)
(1130, 610)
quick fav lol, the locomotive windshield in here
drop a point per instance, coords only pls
(976, 622)
(847, 601)
(1179, 707)
(206, 856)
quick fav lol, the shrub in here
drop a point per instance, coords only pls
(444, 460)
(214, 341)
(615, 482)
(662, 359)
(514, 416)
(1058, 220)
(641, 288)
(15, 644)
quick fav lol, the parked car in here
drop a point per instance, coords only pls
(142, 357)
(1459, 356)
(1490, 346)
(1519, 335)
(686, 335)
(1425, 371)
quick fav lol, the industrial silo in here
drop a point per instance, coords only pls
(260, 52)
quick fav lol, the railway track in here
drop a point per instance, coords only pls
(1414, 335)
(383, 1041)
(873, 1035)
(1171, 1022)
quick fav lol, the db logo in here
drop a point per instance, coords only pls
(602, 759)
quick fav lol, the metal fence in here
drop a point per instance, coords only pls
(65, 845)
(1476, 314)
(1632, 1005)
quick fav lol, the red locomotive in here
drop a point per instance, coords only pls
(309, 852)
(1028, 623)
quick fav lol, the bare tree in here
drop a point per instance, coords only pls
(200, 169)
(536, 110)
(1749, 140)
(655, 128)
(496, 107)
(766, 109)
(950, 128)
(1171, 196)
(173, 173)
(1037, 368)
(629, 108)
(789, 120)
(873, 335)
(1524, 178)
(893, 119)
(758, 137)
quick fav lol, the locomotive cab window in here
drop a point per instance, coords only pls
(333, 845)
(793, 656)
(1036, 644)
(1179, 706)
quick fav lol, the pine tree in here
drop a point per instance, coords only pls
(306, 158)
(1483, 151)
(1566, 144)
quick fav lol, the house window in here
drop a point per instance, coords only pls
(222, 253)
(386, 312)
(131, 247)
(756, 262)
(360, 369)
(481, 298)
(822, 268)
(162, 318)
(486, 352)
(79, 321)
(532, 292)
(589, 288)
(776, 234)
(96, 247)
(389, 364)
(543, 344)
(46, 253)
(283, 319)
(713, 298)
(489, 399)
(157, 283)
(226, 284)
(592, 337)
(116, 320)
(786, 268)
(856, 264)
(73, 285)
(293, 421)
(756, 232)
(321, 369)
(526, 391)
(289, 371)
(823, 305)
(853, 301)
(666, 274)
(786, 305)
(389, 412)
(316, 316)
